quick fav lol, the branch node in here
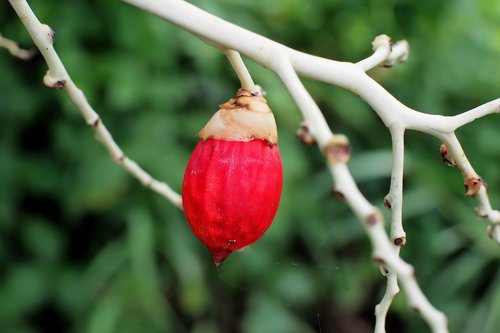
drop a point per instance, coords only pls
(482, 214)
(50, 33)
(447, 157)
(337, 194)
(387, 202)
(304, 134)
(378, 260)
(400, 241)
(414, 308)
(382, 41)
(119, 159)
(95, 123)
(148, 183)
(493, 231)
(384, 270)
(400, 53)
(473, 184)
(53, 82)
(338, 149)
(373, 218)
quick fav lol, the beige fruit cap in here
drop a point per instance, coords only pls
(244, 118)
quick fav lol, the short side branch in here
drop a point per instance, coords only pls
(241, 70)
(386, 54)
(382, 308)
(394, 200)
(473, 114)
(15, 50)
(475, 186)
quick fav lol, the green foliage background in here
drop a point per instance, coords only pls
(85, 248)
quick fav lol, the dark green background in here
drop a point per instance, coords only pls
(85, 248)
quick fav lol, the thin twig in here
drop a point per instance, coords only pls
(15, 50)
(382, 47)
(382, 308)
(394, 202)
(400, 53)
(475, 186)
(57, 77)
(473, 114)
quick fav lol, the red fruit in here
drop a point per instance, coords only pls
(232, 184)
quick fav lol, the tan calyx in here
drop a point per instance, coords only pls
(244, 118)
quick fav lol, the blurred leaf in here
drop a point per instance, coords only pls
(266, 315)
(140, 237)
(23, 291)
(105, 316)
(43, 240)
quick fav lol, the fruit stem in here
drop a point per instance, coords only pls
(241, 70)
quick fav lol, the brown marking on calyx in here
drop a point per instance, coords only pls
(243, 118)
(240, 105)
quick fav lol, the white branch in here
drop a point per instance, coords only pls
(267, 52)
(383, 49)
(14, 49)
(241, 70)
(382, 308)
(394, 200)
(475, 186)
(400, 53)
(478, 112)
(57, 77)
(310, 110)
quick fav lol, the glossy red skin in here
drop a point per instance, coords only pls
(231, 192)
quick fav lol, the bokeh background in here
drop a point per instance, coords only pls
(85, 248)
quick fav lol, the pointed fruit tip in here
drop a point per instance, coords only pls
(219, 256)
